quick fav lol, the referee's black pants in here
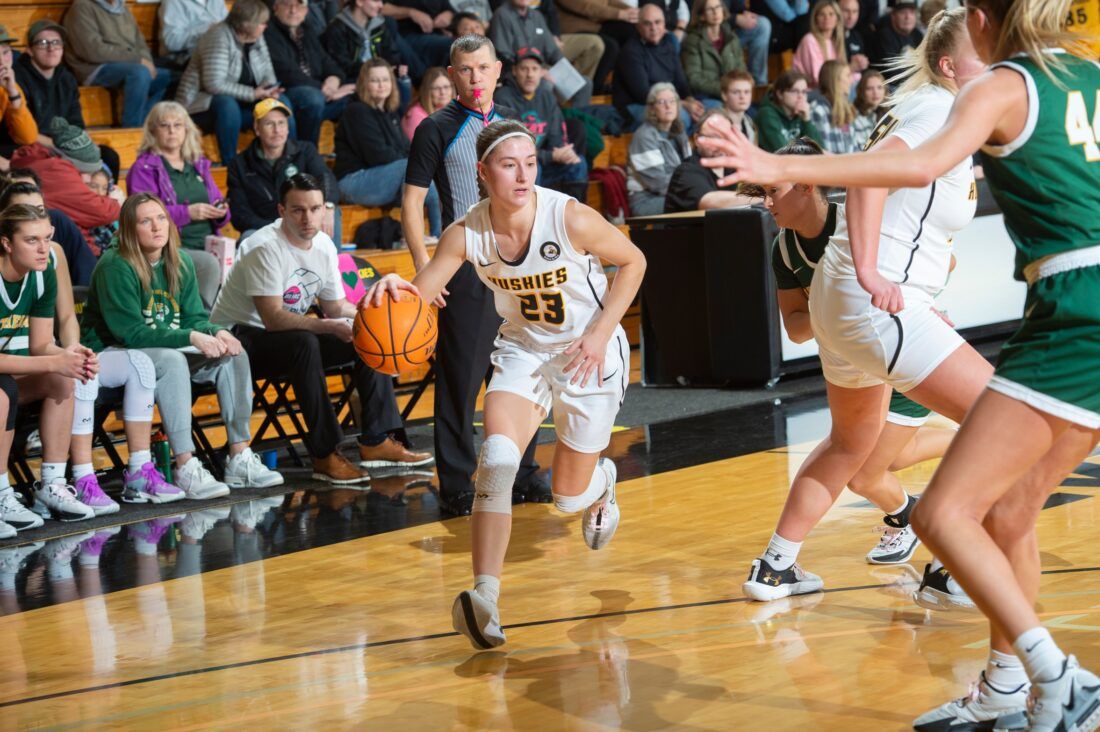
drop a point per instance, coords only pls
(467, 328)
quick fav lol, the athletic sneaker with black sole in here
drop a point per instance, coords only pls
(478, 619)
(939, 591)
(57, 500)
(985, 707)
(600, 520)
(15, 514)
(765, 583)
(1069, 703)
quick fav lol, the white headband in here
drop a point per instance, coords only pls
(501, 139)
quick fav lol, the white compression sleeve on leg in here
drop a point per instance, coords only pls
(496, 472)
(137, 403)
(84, 406)
(597, 486)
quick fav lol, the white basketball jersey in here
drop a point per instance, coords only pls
(549, 296)
(917, 223)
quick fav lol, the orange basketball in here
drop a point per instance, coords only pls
(396, 337)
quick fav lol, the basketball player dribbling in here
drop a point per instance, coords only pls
(1036, 119)
(560, 346)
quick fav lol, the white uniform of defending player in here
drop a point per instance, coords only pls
(560, 347)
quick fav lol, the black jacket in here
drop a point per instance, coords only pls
(431, 7)
(284, 57)
(368, 137)
(642, 65)
(254, 183)
(58, 96)
(344, 42)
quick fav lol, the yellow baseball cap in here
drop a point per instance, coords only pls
(265, 106)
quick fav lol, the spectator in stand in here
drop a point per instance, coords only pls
(479, 10)
(897, 36)
(612, 20)
(286, 268)
(928, 10)
(421, 23)
(854, 45)
(785, 113)
(23, 187)
(145, 296)
(833, 114)
(436, 92)
(517, 26)
(824, 42)
(870, 94)
(66, 167)
(314, 82)
(737, 98)
(320, 13)
(709, 50)
(360, 32)
(106, 48)
(182, 24)
(372, 149)
(790, 21)
(171, 166)
(256, 175)
(50, 88)
(677, 16)
(529, 95)
(755, 32)
(466, 23)
(695, 188)
(651, 57)
(657, 148)
(15, 112)
(229, 71)
(584, 50)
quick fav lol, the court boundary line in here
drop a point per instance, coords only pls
(436, 636)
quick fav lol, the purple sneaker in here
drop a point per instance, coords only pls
(92, 547)
(147, 485)
(90, 494)
(147, 534)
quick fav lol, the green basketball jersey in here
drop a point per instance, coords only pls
(794, 258)
(1047, 180)
(34, 296)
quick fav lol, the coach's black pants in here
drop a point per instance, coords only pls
(467, 328)
(301, 358)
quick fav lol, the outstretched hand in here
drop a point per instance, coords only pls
(745, 161)
(392, 285)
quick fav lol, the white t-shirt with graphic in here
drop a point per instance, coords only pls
(270, 265)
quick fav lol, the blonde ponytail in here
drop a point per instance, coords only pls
(921, 65)
(1031, 27)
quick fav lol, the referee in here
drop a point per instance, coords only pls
(443, 151)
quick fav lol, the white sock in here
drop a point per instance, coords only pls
(62, 570)
(1040, 655)
(781, 553)
(82, 469)
(52, 472)
(904, 505)
(4, 483)
(937, 565)
(488, 587)
(597, 488)
(144, 546)
(137, 459)
(1004, 672)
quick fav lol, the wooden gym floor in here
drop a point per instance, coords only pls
(333, 610)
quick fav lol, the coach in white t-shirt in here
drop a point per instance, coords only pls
(283, 270)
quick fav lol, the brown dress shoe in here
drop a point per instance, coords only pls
(392, 454)
(338, 470)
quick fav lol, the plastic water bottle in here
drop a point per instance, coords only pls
(162, 454)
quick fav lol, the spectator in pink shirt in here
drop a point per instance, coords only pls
(824, 42)
(436, 91)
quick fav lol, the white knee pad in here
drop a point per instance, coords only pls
(496, 472)
(143, 367)
(89, 391)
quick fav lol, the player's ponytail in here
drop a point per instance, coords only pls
(1031, 27)
(921, 65)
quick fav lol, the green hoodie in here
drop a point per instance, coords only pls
(120, 313)
(777, 129)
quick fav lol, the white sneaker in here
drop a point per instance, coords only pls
(13, 559)
(197, 482)
(765, 583)
(984, 707)
(7, 531)
(601, 519)
(250, 513)
(57, 499)
(197, 523)
(15, 514)
(478, 619)
(939, 591)
(61, 551)
(1069, 703)
(896, 546)
(246, 470)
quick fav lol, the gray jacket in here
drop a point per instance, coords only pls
(215, 68)
(511, 31)
(652, 157)
(183, 22)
